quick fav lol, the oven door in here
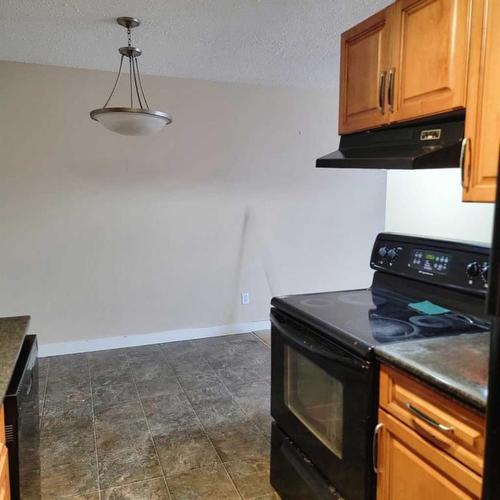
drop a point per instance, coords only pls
(324, 398)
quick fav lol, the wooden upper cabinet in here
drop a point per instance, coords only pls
(406, 62)
(364, 60)
(430, 56)
(482, 122)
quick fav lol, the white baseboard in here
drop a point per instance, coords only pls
(101, 344)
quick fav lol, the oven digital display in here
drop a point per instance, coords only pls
(428, 262)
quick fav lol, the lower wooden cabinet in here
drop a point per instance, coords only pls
(429, 447)
(411, 468)
(4, 461)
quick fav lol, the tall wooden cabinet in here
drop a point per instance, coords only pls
(405, 62)
(482, 123)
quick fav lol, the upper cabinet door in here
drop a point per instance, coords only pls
(430, 55)
(364, 59)
(482, 121)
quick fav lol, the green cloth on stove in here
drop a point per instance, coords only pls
(427, 307)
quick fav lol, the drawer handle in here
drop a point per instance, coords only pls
(378, 427)
(429, 420)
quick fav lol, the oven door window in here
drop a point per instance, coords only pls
(315, 397)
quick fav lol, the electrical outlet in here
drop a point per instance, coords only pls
(245, 298)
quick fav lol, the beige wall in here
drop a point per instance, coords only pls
(104, 235)
(429, 202)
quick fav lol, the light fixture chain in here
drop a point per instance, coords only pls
(129, 37)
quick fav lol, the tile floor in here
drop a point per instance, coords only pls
(183, 420)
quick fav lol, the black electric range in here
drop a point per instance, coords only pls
(324, 386)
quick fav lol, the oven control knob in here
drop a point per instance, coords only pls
(392, 254)
(472, 269)
(382, 251)
(484, 272)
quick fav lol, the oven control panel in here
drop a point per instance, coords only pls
(448, 263)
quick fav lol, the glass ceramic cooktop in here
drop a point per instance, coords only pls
(373, 316)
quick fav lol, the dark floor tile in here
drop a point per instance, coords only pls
(251, 477)
(238, 442)
(220, 415)
(206, 395)
(143, 351)
(170, 412)
(185, 429)
(184, 357)
(43, 368)
(198, 379)
(184, 450)
(85, 496)
(124, 446)
(255, 394)
(152, 489)
(105, 364)
(43, 374)
(67, 363)
(68, 379)
(75, 477)
(154, 379)
(244, 372)
(254, 398)
(264, 336)
(211, 483)
(113, 391)
(152, 361)
(270, 496)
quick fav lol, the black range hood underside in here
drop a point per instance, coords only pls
(425, 144)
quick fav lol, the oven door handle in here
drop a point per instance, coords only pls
(344, 360)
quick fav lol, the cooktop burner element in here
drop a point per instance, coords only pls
(388, 330)
(440, 321)
(317, 302)
(360, 298)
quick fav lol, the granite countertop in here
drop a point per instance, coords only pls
(12, 333)
(456, 365)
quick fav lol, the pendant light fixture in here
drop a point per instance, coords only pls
(131, 120)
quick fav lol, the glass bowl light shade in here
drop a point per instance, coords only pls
(131, 121)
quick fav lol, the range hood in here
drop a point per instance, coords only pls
(436, 143)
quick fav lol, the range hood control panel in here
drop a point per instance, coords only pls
(461, 265)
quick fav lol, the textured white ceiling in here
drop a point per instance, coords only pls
(291, 42)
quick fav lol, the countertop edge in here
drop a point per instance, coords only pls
(426, 377)
(13, 331)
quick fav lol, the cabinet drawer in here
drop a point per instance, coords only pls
(448, 425)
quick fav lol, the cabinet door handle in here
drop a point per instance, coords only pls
(381, 91)
(463, 150)
(390, 90)
(378, 427)
(427, 419)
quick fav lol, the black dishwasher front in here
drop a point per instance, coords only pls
(22, 424)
